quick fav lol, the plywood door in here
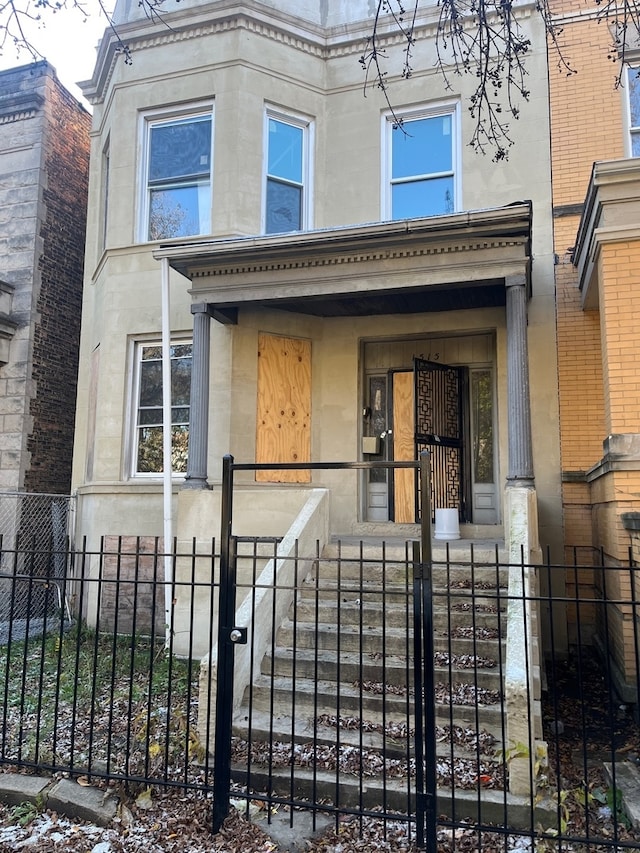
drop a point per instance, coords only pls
(403, 448)
(284, 406)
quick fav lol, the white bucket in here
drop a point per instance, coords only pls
(447, 524)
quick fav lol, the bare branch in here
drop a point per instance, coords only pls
(623, 18)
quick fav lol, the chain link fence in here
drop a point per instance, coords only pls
(34, 534)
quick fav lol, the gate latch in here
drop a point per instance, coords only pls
(238, 636)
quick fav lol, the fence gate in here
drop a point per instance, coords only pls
(333, 705)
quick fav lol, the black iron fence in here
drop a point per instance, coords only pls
(518, 731)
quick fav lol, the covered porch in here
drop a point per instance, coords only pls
(477, 262)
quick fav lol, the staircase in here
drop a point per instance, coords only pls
(336, 686)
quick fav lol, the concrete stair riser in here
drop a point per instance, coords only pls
(351, 668)
(370, 640)
(307, 702)
(443, 576)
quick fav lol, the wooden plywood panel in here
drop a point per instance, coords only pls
(284, 406)
(403, 448)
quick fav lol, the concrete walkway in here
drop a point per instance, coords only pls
(65, 796)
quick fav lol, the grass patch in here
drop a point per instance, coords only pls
(88, 702)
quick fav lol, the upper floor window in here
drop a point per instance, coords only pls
(633, 88)
(177, 176)
(148, 430)
(288, 190)
(422, 164)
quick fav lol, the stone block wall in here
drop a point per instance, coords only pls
(44, 157)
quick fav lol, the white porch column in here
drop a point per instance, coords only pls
(196, 477)
(518, 403)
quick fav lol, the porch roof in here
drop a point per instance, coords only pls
(438, 263)
(611, 214)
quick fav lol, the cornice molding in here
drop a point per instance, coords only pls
(474, 248)
(354, 258)
(187, 24)
(610, 215)
(20, 106)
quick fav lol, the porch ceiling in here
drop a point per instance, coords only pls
(439, 263)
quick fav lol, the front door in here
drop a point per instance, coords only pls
(449, 410)
(429, 414)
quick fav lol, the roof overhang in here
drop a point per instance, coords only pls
(611, 214)
(433, 264)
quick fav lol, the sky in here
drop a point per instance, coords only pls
(68, 42)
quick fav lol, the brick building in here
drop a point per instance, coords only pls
(44, 158)
(596, 210)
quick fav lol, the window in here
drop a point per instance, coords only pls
(421, 164)
(177, 177)
(147, 451)
(633, 87)
(287, 192)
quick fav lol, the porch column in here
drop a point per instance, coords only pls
(518, 403)
(196, 477)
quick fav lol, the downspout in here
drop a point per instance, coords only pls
(167, 487)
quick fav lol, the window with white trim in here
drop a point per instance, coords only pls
(422, 163)
(287, 180)
(147, 444)
(177, 175)
(633, 89)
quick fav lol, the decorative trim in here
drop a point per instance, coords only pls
(314, 40)
(567, 210)
(344, 259)
(574, 476)
(20, 106)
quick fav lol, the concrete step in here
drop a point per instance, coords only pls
(282, 695)
(391, 615)
(363, 613)
(285, 729)
(491, 806)
(374, 572)
(400, 548)
(371, 640)
(347, 667)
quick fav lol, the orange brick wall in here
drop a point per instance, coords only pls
(587, 125)
(586, 116)
(619, 271)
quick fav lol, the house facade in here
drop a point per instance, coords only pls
(596, 217)
(44, 163)
(336, 289)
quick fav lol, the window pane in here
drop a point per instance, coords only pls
(180, 149)
(149, 459)
(150, 450)
(150, 417)
(285, 151)
(178, 212)
(423, 147)
(151, 383)
(634, 96)
(422, 198)
(635, 144)
(180, 381)
(482, 408)
(284, 207)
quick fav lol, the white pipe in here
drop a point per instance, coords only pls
(167, 485)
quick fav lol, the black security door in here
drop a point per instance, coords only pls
(439, 393)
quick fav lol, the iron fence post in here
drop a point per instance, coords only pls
(224, 677)
(424, 671)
